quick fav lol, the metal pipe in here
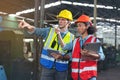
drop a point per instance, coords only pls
(115, 8)
(115, 35)
(42, 11)
(41, 25)
(36, 55)
(95, 12)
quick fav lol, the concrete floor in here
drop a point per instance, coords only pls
(110, 74)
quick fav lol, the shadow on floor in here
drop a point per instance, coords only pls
(110, 74)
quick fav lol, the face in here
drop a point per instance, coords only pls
(63, 22)
(81, 28)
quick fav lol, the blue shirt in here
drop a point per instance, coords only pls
(69, 46)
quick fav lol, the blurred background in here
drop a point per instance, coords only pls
(19, 51)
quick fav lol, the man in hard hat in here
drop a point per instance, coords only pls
(53, 68)
(84, 62)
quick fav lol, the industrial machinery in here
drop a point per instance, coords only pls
(18, 65)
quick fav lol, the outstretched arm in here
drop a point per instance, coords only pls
(23, 24)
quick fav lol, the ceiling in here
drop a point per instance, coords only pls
(13, 6)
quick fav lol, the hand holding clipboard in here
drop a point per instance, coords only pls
(90, 51)
(92, 46)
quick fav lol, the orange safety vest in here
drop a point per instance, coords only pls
(82, 69)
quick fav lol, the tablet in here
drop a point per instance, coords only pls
(52, 51)
(92, 46)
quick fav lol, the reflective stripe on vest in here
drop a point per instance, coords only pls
(84, 69)
(52, 59)
(46, 57)
(49, 39)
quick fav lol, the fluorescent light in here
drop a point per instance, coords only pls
(52, 4)
(25, 11)
(79, 4)
(71, 3)
(12, 15)
(4, 13)
(66, 2)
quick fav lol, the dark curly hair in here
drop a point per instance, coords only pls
(91, 29)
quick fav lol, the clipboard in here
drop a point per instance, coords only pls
(52, 51)
(92, 46)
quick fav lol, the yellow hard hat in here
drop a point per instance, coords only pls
(65, 14)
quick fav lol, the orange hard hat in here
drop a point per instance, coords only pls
(83, 18)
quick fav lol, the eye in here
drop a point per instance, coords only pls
(79, 25)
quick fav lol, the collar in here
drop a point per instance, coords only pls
(63, 33)
(85, 37)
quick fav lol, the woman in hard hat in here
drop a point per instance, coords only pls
(84, 62)
(53, 68)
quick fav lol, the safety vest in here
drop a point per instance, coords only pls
(51, 42)
(82, 69)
